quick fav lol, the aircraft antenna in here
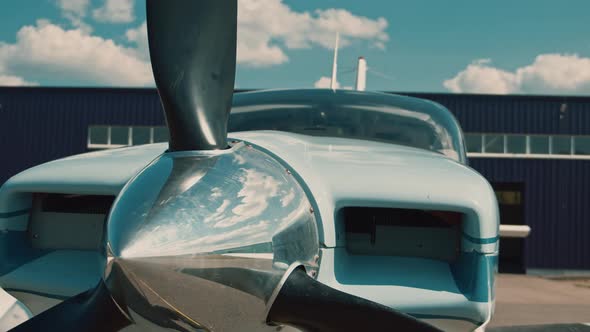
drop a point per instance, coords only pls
(334, 82)
(361, 74)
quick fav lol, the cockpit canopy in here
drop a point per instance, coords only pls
(369, 116)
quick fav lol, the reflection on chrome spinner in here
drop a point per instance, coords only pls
(200, 240)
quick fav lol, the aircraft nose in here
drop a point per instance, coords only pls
(200, 240)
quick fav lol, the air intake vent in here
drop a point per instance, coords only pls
(68, 222)
(83, 204)
(402, 232)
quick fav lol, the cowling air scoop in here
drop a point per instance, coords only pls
(202, 239)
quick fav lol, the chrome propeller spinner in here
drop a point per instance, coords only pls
(201, 240)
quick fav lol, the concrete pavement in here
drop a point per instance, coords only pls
(531, 300)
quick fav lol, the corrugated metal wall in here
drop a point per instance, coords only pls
(42, 124)
(556, 207)
(517, 114)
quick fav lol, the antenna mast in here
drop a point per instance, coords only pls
(361, 74)
(334, 82)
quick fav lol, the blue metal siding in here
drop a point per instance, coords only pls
(517, 114)
(556, 207)
(42, 124)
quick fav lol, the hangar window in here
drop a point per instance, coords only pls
(120, 135)
(582, 145)
(474, 142)
(561, 145)
(160, 134)
(141, 135)
(111, 137)
(106, 137)
(539, 144)
(516, 143)
(527, 146)
(493, 144)
(98, 135)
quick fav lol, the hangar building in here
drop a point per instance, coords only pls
(535, 150)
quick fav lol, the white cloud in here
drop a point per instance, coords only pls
(48, 51)
(8, 80)
(324, 83)
(556, 72)
(75, 11)
(549, 73)
(138, 36)
(268, 28)
(77, 7)
(480, 77)
(115, 11)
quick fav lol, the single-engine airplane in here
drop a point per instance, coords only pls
(322, 210)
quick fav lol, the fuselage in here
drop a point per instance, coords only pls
(411, 228)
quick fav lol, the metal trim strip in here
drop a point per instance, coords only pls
(12, 214)
(476, 240)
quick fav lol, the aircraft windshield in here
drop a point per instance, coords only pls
(428, 128)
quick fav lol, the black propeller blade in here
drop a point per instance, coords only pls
(193, 53)
(93, 311)
(310, 305)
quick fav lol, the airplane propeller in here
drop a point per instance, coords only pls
(193, 53)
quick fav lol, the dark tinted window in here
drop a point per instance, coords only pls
(494, 143)
(99, 135)
(343, 123)
(582, 145)
(120, 135)
(473, 142)
(539, 144)
(516, 144)
(161, 134)
(141, 135)
(561, 145)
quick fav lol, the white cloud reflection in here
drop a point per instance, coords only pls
(167, 241)
(257, 189)
(288, 198)
(228, 208)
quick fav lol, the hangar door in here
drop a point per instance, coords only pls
(511, 203)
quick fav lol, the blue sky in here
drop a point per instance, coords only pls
(525, 46)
